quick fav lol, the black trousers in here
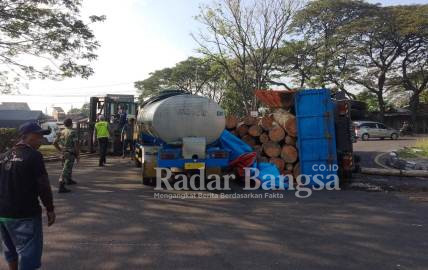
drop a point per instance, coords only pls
(103, 145)
(125, 145)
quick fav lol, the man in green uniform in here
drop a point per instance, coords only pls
(102, 134)
(67, 142)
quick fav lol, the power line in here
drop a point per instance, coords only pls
(93, 86)
(127, 92)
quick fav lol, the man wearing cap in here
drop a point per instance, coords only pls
(23, 180)
(102, 134)
(67, 142)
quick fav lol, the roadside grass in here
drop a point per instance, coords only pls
(419, 150)
(48, 150)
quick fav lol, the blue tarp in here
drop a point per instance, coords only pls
(267, 171)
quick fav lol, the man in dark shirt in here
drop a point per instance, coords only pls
(128, 138)
(23, 180)
(122, 115)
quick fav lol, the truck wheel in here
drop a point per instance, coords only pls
(365, 137)
(137, 163)
(148, 181)
(394, 136)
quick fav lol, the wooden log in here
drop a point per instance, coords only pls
(289, 154)
(271, 149)
(289, 166)
(231, 122)
(285, 172)
(255, 130)
(290, 140)
(242, 130)
(291, 127)
(296, 170)
(250, 120)
(266, 122)
(264, 138)
(279, 163)
(282, 116)
(248, 139)
(276, 133)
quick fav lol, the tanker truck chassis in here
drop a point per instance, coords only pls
(179, 132)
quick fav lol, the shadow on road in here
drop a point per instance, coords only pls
(111, 221)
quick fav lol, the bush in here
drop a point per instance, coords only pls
(8, 137)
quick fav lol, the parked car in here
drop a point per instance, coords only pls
(365, 130)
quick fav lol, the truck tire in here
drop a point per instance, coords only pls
(148, 181)
(394, 136)
(137, 163)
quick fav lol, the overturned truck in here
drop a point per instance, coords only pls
(184, 133)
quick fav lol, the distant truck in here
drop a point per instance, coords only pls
(177, 130)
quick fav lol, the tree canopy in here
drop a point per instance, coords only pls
(371, 52)
(44, 39)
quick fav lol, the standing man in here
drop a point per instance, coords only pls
(102, 134)
(23, 180)
(122, 117)
(128, 137)
(67, 142)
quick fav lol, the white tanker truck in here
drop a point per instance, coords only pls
(179, 131)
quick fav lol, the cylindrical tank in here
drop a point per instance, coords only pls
(180, 116)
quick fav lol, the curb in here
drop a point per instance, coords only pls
(390, 171)
(377, 158)
(395, 172)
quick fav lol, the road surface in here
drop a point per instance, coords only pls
(368, 150)
(111, 221)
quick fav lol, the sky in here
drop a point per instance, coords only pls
(138, 37)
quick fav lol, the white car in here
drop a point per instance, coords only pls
(365, 130)
(53, 126)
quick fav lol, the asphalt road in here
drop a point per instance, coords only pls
(111, 221)
(368, 150)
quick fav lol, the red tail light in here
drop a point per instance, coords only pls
(347, 162)
(343, 108)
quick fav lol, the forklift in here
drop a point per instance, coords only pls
(107, 106)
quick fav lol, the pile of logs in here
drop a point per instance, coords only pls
(272, 137)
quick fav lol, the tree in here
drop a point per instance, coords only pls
(297, 60)
(378, 48)
(413, 30)
(243, 39)
(198, 76)
(44, 39)
(370, 99)
(158, 81)
(327, 42)
(84, 111)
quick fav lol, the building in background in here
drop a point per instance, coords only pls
(58, 113)
(14, 106)
(15, 118)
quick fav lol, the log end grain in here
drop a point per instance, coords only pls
(271, 149)
(276, 134)
(255, 130)
(289, 154)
